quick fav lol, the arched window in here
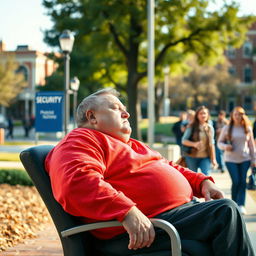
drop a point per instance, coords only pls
(247, 49)
(23, 70)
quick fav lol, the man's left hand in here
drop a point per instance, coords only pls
(210, 191)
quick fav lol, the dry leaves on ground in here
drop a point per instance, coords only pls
(22, 214)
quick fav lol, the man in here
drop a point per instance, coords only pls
(99, 173)
(179, 127)
(218, 125)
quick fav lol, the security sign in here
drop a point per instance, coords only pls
(49, 111)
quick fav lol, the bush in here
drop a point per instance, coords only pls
(15, 177)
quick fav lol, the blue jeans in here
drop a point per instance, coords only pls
(219, 157)
(193, 163)
(238, 174)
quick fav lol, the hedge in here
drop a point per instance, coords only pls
(15, 177)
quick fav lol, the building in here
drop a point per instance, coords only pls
(35, 66)
(243, 67)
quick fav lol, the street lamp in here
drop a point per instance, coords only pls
(66, 40)
(74, 85)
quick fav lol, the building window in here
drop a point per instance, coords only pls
(247, 74)
(247, 103)
(23, 70)
(232, 71)
(247, 49)
(231, 52)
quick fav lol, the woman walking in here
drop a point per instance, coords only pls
(199, 138)
(236, 139)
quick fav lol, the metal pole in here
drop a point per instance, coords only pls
(151, 72)
(66, 90)
(166, 99)
(74, 107)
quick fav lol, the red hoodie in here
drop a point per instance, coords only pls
(98, 178)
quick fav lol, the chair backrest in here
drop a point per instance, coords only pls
(33, 161)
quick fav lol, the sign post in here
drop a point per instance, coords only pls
(49, 111)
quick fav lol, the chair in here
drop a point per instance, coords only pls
(75, 239)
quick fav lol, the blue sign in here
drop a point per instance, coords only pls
(49, 111)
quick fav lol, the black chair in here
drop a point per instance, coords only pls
(74, 238)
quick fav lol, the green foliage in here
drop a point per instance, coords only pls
(111, 38)
(15, 177)
(11, 83)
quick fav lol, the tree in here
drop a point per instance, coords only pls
(203, 85)
(11, 82)
(112, 35)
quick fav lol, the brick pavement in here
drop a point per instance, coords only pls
(46, 244)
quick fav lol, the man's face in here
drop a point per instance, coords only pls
(111, 117)
(222, 116)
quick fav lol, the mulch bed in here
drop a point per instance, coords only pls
(22, 214)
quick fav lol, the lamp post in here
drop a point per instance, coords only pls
(66, 40)
(74, 85)
(166, 98)
(151, 70)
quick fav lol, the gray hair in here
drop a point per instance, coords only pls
(91, 103)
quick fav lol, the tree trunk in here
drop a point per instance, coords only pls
(132, 92)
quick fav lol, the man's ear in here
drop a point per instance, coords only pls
(91, 117)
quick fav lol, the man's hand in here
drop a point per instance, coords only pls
(210, 191)
(140, 229)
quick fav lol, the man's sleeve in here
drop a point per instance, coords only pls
(195, 179)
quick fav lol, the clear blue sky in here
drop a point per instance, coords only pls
(22, 22)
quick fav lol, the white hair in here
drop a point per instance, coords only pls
(91, 103)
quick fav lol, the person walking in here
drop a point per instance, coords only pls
(199, 137)
(236, 139)
(10, 128)
(218, 125)
(179, 127)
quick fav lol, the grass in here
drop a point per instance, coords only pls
(18, 143)
(6, 156)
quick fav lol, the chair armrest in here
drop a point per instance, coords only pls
(166, 226)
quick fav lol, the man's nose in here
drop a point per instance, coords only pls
(125, 114)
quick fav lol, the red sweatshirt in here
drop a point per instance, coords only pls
(98, 178)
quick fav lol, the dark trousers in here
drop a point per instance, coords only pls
(217, 222)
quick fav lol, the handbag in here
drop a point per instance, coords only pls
(186, 149)
(251, 185)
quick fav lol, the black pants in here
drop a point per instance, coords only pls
(216, 222)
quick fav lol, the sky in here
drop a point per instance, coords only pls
(22, 22)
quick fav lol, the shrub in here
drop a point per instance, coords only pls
(15, 177)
